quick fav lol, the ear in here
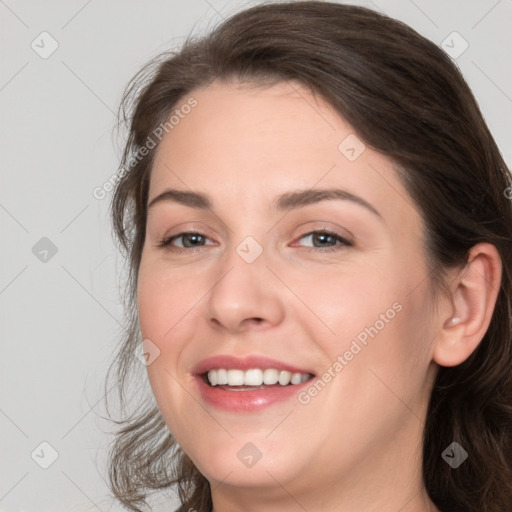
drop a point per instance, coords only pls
(466, 316)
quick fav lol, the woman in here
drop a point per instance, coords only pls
(319, 240)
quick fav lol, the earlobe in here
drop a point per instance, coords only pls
(466, 317)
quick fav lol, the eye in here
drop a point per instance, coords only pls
(193, 240)
(326, 237)
(191, 237)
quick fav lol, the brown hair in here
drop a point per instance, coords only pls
(404, 98)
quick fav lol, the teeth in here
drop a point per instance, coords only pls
(235, 378)
(284, 378)
(295, 378)
(270, 376)
(222, 377)
(255, 377)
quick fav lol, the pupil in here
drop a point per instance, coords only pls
(192, 236)
(322, 237)
(196, 239)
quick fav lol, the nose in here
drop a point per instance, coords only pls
(245, 296)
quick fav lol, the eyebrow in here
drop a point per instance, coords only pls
(285, 202)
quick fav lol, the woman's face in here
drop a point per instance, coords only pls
(260, 290)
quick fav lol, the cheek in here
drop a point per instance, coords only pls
(164, 308)
(163, 300)
(152, 301)
(379, 314)
(346, 301)
(169, 301)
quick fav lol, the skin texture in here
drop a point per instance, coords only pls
(356, 446)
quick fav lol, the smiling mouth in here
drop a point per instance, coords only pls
(253, 379)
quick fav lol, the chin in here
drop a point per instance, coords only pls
(249, 461)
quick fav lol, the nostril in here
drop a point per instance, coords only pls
(253, 321)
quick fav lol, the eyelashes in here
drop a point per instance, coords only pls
(322, 235)
(167, 242)
(343, 242)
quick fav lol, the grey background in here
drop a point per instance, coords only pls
(60, 317)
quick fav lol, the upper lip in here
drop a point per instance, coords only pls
(245, 363)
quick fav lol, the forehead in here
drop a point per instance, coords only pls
(253, 143)
(279, 123)
(236, 129)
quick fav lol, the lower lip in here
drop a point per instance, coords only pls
(247, 401)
